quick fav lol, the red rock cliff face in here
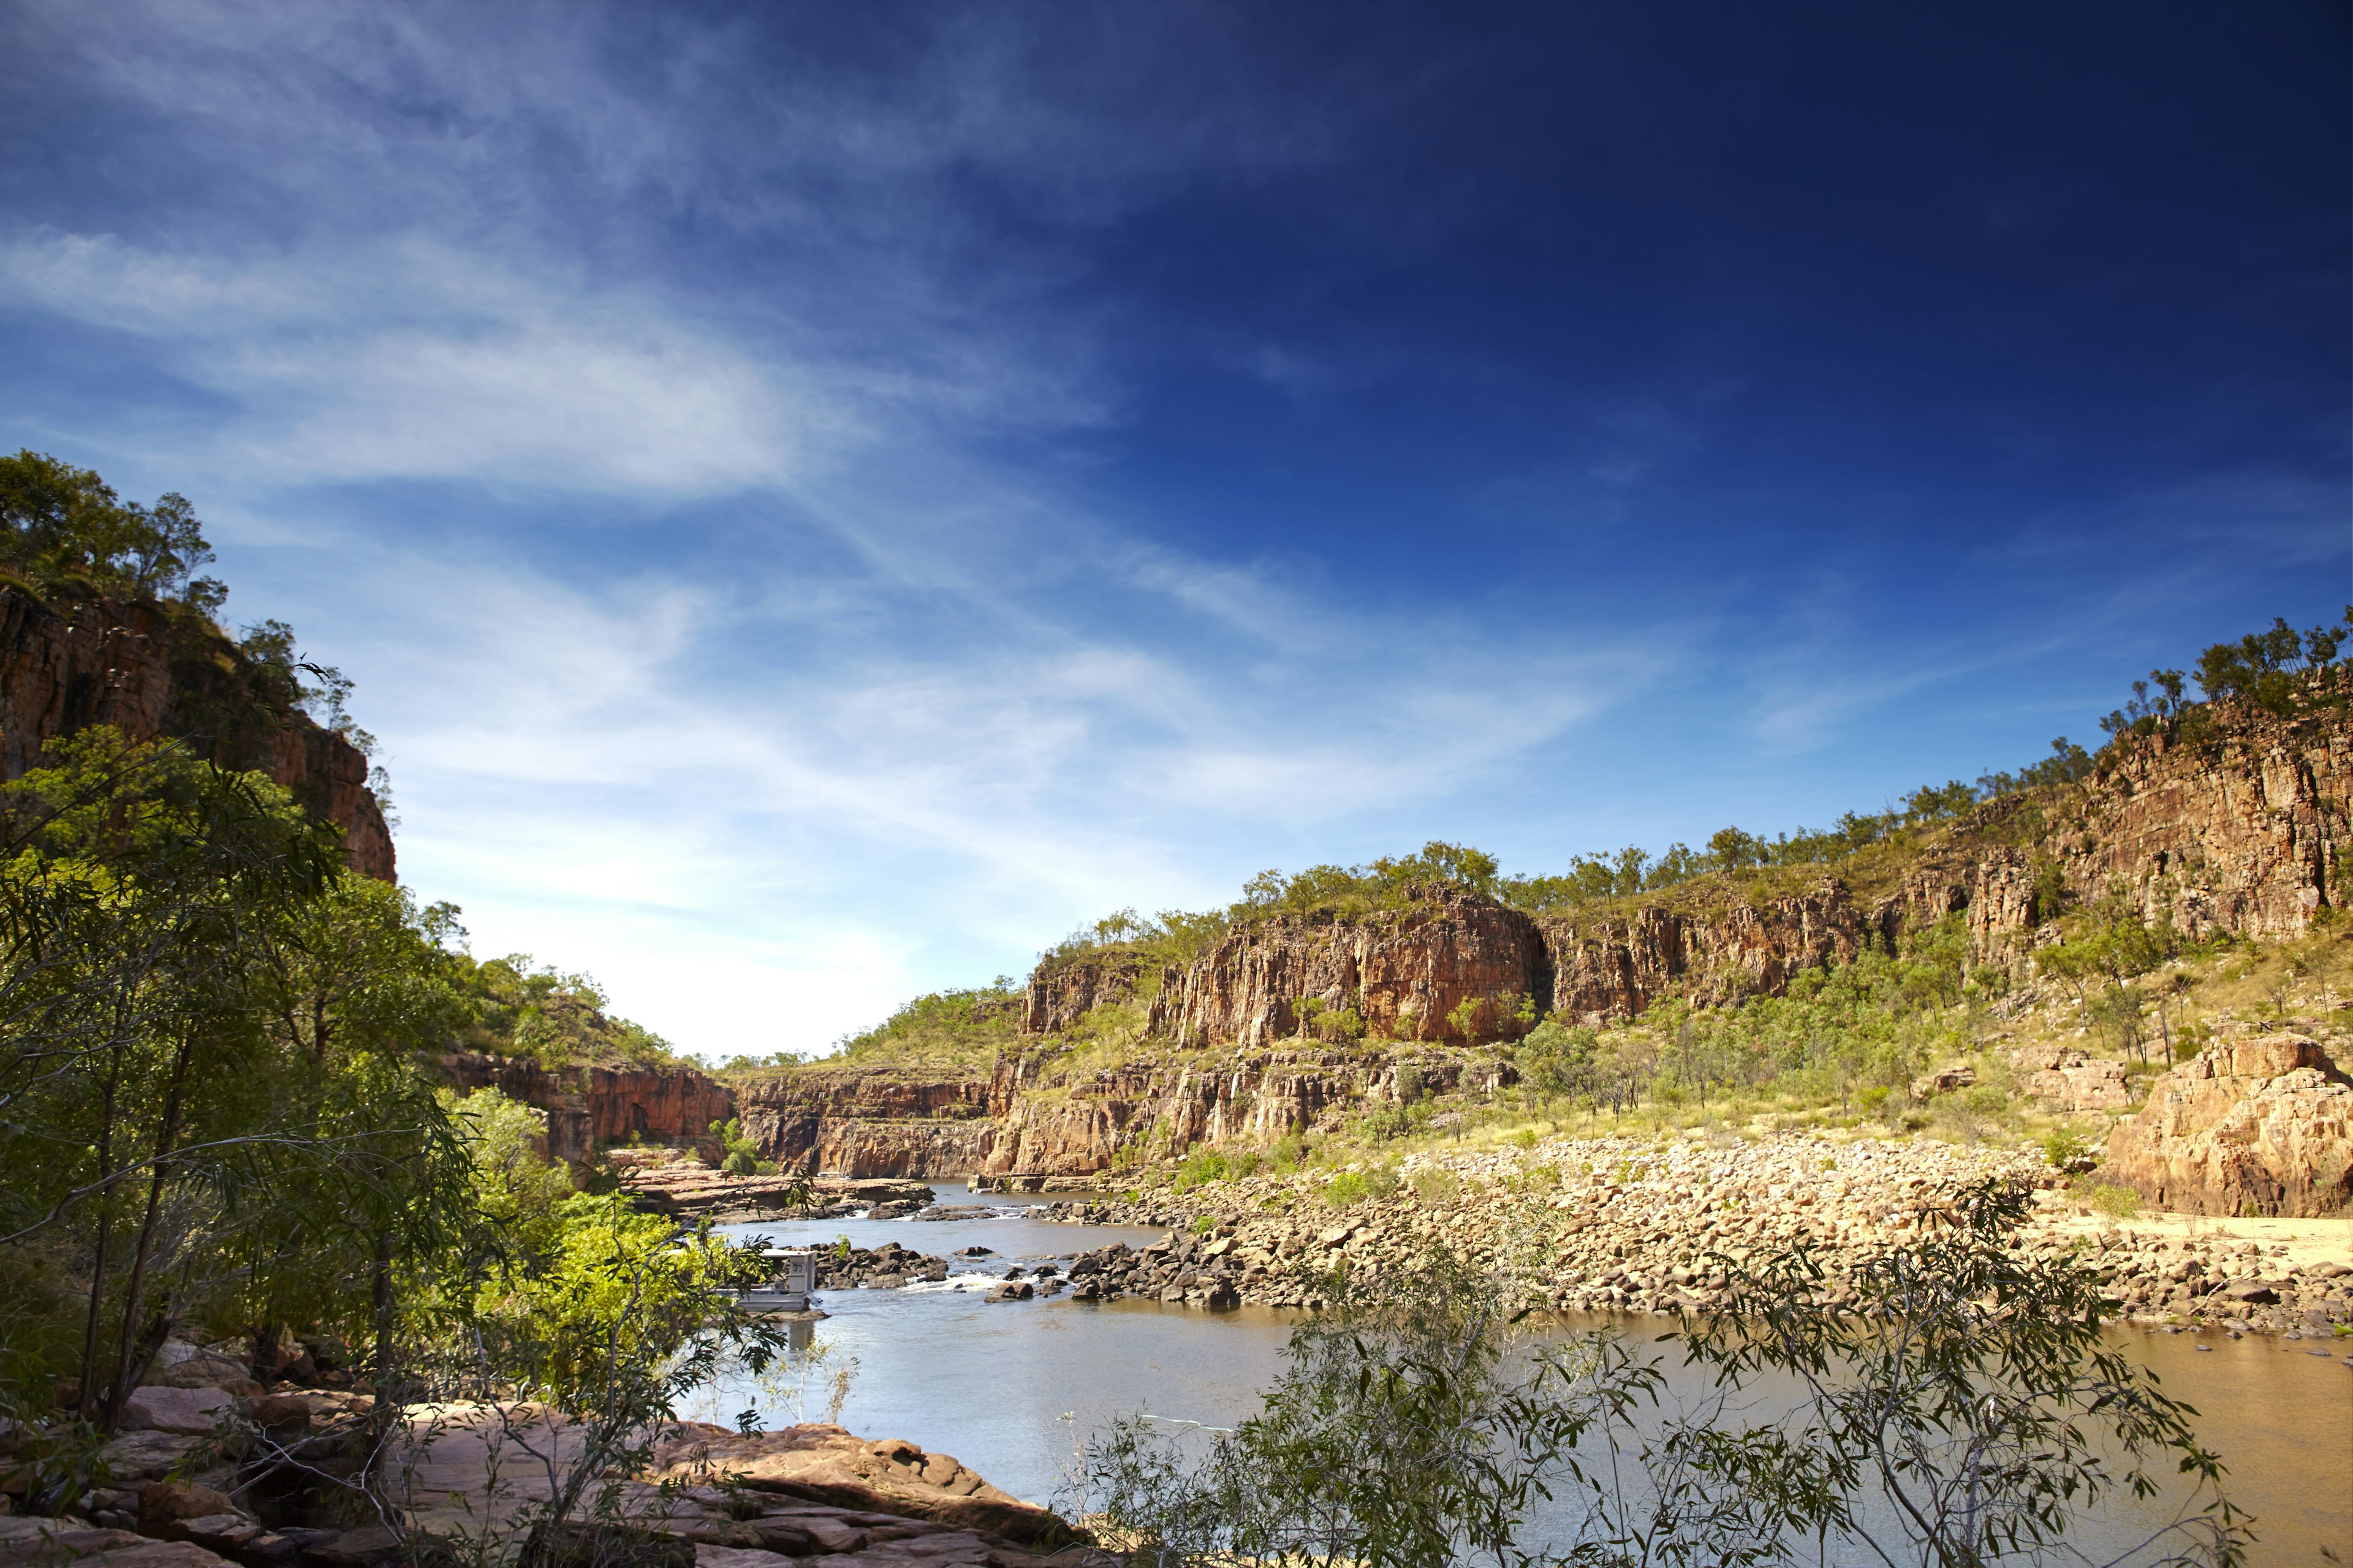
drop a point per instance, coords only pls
(103, 661)
(1028, 1118)
(845, 1122)
(2242, 835)
(1615, 967)
(585, 1104)
(1405, 974)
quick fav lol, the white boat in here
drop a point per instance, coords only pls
(789, 1290)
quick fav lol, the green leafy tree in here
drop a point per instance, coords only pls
(61, 525)
(1963, 1409)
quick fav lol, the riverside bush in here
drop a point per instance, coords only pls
(1961, 1409)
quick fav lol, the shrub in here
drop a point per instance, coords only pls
(1340, 1026)
(1435, 1188)
(1346, 1190)
(2066, 1147)
(2115, 1203)
(1202, 1166)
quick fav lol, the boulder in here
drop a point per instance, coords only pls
(234, 1537)
(44, 1542)
(164, 1504)
(2256, 1127)
(183, 1365)
(1013, 1291)
(146, 1456)
(370, 1546)
(187, 1411)
(2072, 1080)
(281, 1413)
(1944, 1080)
(824, 1464)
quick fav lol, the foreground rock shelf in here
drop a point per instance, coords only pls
(807, 1494)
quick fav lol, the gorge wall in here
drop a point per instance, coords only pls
(135, 666)
(586, 1104)
(1020, 1119)
(2242, 834)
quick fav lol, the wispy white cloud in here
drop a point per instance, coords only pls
(888, 706)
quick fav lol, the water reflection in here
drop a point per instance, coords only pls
(1008, 1387)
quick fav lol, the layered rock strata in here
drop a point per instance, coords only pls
(1406, 974)
(589, 1104)
(1029, 1117)
(2256, 1127)
(150, 673)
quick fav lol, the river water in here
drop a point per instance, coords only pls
(1009, 1388)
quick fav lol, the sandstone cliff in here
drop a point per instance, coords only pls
(2239, 834)
(1404, 972)
(2260, 1127)
(150, 673)
(585, 1104)
(2242, 834)
(1033, 1115)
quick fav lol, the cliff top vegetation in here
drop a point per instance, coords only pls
(2280, 672)
(523, 1008)
(945, 1029)
(66, 534)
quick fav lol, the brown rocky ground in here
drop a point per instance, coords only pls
(1624, 1225)
(807, 1497)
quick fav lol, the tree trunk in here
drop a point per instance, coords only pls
(165, 1134)
(87, 1394)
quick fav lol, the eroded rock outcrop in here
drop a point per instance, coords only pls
(80, 662)
(1405, 973)
(825, 1464)
(585, 1104)
(2072, 1080)
(2240, 834)
(1615, 966)
(1034, 1117)
(2256, 1127)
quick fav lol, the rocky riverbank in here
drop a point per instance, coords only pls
(219, 1473)
(684, 1188)
(1625, 1224)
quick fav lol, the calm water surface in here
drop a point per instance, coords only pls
(1008, 1388)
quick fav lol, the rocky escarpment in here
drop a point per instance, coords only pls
(1250, 1040)
(2256, 1127)
(1034, 1115)
(152, 672)
(850, 1123)
(589, 1104)
(1408, 974)
(2239, 833)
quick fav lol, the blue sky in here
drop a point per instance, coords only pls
(819, 501)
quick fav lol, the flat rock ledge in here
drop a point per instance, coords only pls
(812, 1496)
